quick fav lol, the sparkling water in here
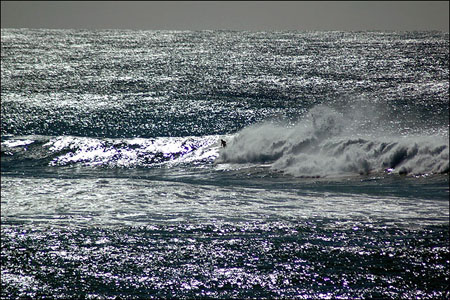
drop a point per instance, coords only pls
(333, 182)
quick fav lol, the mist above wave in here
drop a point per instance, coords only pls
(331, 143)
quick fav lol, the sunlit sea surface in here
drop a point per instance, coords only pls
(334, 182)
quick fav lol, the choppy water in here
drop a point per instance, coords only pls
(333, 184)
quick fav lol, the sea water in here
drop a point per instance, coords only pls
(333, 182)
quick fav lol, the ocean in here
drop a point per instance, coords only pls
(332, 180)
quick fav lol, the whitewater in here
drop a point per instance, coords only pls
(330, 145)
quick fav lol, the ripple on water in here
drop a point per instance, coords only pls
(318, 259)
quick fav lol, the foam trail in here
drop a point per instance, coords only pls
(327, 144)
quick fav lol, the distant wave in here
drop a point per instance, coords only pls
(327, 144)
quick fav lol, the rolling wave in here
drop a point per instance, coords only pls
(102, 152)
(324, 144)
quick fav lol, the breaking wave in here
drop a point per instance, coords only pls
(102, 152)
(326, 144)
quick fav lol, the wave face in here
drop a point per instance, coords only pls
(40, 151)
(327, 144)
